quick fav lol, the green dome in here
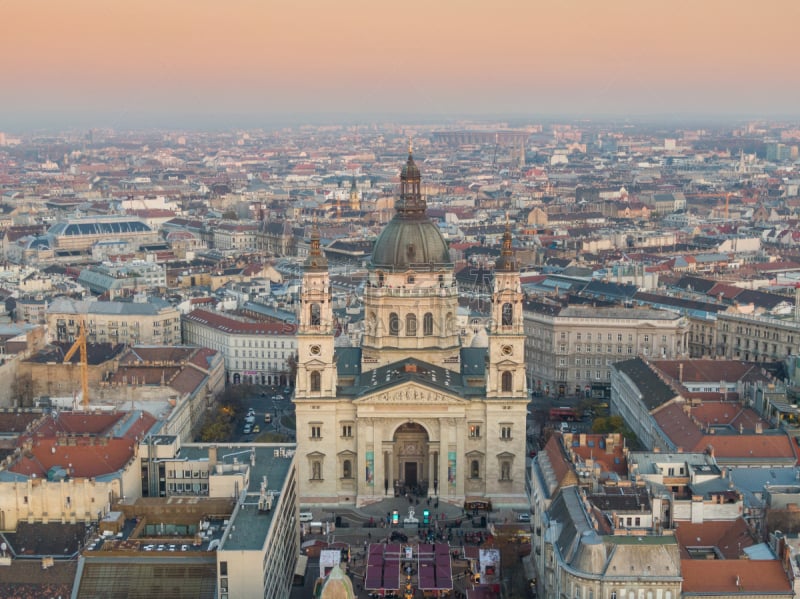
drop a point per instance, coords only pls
(410, 242)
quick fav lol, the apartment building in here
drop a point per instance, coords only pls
(255, 352)
(756, 338)
(235, 236)
(571, 350)
(145, 320)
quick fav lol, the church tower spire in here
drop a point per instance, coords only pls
(316, 370)
(506, 374)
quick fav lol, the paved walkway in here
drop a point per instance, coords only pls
(376, 513)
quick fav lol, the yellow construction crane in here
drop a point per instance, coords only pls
(80, 343)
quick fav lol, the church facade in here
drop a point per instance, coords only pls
(411, 410)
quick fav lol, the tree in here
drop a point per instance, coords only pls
(613, 424)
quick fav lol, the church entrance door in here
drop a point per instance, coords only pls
(411, 460)
(411, 474)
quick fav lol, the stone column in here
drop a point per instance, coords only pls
(378, 475)
(363, 426)
(444, 443)
(431, 473)
(390, 475)
(460, 431)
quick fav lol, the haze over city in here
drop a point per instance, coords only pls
(209, 64)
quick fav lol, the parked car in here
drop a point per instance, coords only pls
(256, 429)
(247, 430)
(267, 418)
(523, 517)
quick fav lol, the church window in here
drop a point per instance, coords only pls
(347, 469)
(505, 470)
(411, 325)
(394, 324)
(316, 470)
(505, 432)
(475, 469)
(316, 431)
(507, 381)
(508, 315)
(347, 430)
(475, 430)
(427, 324)
(315, 318)
(316, 381)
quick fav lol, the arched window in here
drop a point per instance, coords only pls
(347, 469)
(507, 381)
(394, 324)
(427, 324)
(475, 469)
(411, 325)
(316, 381)
(314, 313)
(508, 315)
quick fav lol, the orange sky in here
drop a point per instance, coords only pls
(359, 56)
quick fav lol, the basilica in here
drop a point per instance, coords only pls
(411, 410)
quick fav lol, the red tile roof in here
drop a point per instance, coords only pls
(749, 446)
(98, 449)
(230, 325)
(720, 577)
(711, 371)
(729, 537)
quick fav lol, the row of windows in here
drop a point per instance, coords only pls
(187, 474)
(411, 324)
(474, 431)
(255, 354)
(474, 470)
(251, 365)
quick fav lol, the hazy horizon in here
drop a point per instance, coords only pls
(87, 63)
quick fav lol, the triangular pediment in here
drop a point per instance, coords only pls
(410, 393)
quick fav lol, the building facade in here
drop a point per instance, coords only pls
(756, 338)
(573, 349)
(410, 409)
(147, 321)
(255, 352)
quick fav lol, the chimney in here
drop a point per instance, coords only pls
(212, 457)
(680, 372)
(759, 428)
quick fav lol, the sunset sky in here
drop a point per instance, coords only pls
(196, 62)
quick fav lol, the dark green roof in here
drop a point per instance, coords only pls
(410, 242)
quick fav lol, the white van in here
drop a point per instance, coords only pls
(565, 427)
(306, 516)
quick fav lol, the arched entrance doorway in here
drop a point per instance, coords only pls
(411, 459)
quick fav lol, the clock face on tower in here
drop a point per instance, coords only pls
(507, 350)
(315, 350)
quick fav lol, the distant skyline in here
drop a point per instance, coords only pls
(239, 63)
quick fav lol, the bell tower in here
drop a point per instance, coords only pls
(316, 369)
(355, 203)
(506, 368)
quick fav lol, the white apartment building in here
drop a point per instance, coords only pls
(254, 352)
